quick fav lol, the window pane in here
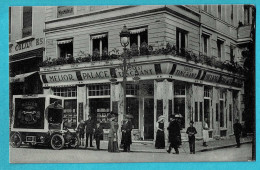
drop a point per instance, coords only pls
(221, 114)
(132, 106)
(196, 111)
(179, 107)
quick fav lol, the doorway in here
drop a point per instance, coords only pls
(148, 119)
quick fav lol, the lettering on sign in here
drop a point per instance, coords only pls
(212, 77)
(29, 44)
(184, 71)
(137, 71)
(95, 74)
(65, 11)
(61, 77)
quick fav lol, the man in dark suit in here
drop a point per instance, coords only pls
(237, 131)
(98, 134)
(174, 135)
(89, 124)
(126, 134)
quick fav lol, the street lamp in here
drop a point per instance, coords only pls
(124, 40)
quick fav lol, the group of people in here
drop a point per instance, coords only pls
(174, 133)
(95, 130)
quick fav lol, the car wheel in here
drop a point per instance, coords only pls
(57, 141)
(16, 140)
(74, 142)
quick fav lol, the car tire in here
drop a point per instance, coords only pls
(57, 141)
(16, 140)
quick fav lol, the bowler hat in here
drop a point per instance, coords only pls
(191, 122)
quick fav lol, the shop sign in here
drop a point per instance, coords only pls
(61, 77)
(65, 11)
(184, 71)
(211, 77)
(226, 80)
(29, 44)
(95, 74)
(141, 70)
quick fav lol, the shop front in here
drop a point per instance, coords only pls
(165, 88)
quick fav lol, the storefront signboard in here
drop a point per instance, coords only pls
(140, 70)
(211, 77)
(184, 71)
(61, 77)
(95, 74)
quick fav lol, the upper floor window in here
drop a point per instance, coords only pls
(65, 48)
(181, 40)
(99, 44)
(205, 44)
(138, 37)
(220, 47)
(219, 11)
(10, 19)
(63, 11)
(232, 14)
(246, 14)
(205, 8)
(27, 21)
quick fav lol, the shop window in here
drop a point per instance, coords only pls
(246, 15)
(232, 14)
(132, 108)
(201, 112)
(70, 114)
(181, 40)
(27, 21)
(179, 90)
(219, 11)
(221, 113)
(220, 46)
(64, 11)
(196, 112)
(207, 111)
(99, 45)
(205, 44)
(99, 90)
(132, 89)
(170, 109)
(65, 48)
(65, 91)
(138, 37)
(179, 108)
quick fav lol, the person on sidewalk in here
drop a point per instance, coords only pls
(126, 133)
(205, 132)
(112, 135)
(160, 139)
(89, 124)
(174, 134)
(98, 132)
(81, 132)
(191, 131)
(237, 131)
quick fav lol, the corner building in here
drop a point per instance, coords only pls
(169, 83)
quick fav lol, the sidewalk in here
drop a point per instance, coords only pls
(184, 148)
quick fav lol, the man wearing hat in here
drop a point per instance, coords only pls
(126, 133)
(174, 134)
(191, 131)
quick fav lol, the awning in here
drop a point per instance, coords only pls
(137, 31)
(98, 36)
(65, 41)
(21, 77)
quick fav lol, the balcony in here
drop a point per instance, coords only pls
(244, 34)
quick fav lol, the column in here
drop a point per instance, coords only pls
(163, 92)
(216, 110)
(82, 102)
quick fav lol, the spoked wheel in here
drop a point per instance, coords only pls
(57, 141)
(16, 140)
(74, 142)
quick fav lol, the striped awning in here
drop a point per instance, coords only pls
(21, 77)
(65, 41)
(99, 36)
(137, 31)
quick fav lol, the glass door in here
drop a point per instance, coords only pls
(148, 119)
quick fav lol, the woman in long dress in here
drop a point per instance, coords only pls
(160, 139)
(112, 136)
(205, 132)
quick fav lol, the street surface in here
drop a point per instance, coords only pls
(26, 154)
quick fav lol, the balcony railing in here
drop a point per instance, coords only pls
(146, 50)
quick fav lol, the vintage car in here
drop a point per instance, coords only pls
(38, 120)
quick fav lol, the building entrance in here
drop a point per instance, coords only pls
(148, 119)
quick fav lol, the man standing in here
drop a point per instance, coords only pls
(191, 131)
(174, 135)
(89, 130)
(237, 131)
(126, 134)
